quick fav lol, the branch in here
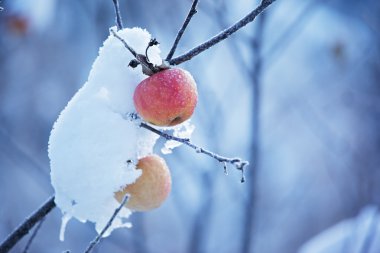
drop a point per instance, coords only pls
(191, 13)
(119, 22)
(256, 76)
(133, 52)
(237, 162)
(27, 225)
(222, 35)
(27, 246)
(109, 223)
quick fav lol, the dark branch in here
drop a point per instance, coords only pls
(26, 226)
(30, 241)
(191, 13)
(237, 162)
(133, 52)
(109, 223)
(119, 22)
(222, 35)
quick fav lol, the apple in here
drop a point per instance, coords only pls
(166, 98)
(151, 188)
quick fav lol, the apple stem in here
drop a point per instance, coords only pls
(192, 12)
(152, 42)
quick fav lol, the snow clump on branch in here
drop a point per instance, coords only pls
(91, 144)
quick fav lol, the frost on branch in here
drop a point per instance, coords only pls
(91, 142)
(183, 131)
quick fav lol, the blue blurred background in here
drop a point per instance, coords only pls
(297, 93)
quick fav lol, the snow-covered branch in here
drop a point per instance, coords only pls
(239, 163)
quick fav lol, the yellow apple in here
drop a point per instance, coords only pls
(151, 188)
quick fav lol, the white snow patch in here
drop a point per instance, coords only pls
(183, 130)
(91, 140)
(145, 142)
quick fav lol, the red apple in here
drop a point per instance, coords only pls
(166, 98)
(151, 188)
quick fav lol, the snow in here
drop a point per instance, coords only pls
(91, 141)
(184, 131)
(65, 219)
(145, 142)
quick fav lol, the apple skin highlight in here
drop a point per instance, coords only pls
(166, 98)
(151, 189)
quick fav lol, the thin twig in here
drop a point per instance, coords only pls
(109, 223)
(192, 12)
(133, 52)
(27, 246)
(118, 20)
(237, 162)
(222, 35)
(27, 225)
(152, 42)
